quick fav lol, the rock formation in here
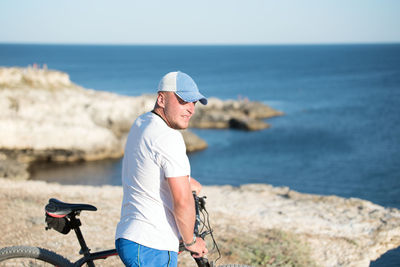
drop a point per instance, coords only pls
(339, 231)
(244, 115)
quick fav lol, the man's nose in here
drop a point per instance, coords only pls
(190, 107)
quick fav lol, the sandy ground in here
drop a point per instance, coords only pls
(22, 218)
(338, 231)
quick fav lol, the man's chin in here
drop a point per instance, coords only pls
(180, 126)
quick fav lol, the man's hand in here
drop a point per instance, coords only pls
(198, 249)
(195, 186)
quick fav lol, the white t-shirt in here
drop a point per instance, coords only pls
(153, 152)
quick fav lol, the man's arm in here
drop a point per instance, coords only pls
(185, 214)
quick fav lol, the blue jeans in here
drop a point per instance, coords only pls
(134, 254)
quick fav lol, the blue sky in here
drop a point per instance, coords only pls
(200, 22)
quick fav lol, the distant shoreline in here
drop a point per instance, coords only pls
(208, 45)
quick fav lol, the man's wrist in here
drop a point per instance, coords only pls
(191, 243)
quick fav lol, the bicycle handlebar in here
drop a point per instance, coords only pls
(202, 219)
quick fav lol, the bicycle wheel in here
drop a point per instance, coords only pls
(31, 256)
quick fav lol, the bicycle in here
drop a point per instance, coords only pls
(62, 217)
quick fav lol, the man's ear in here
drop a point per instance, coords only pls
(161, 100)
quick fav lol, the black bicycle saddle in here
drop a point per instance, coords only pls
(59, 208)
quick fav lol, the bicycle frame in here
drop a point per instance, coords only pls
(95, 256)
(88, 257)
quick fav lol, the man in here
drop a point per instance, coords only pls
(158, 207)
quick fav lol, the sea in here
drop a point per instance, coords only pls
(339, 135)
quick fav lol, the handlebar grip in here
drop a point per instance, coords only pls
(202, 262)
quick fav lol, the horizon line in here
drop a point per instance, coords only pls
(201, 44)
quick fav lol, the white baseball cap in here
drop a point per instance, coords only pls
(183, 86)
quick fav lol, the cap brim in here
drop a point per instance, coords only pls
(192, 97)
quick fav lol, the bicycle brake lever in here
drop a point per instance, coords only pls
(202, 202)
(203, 234)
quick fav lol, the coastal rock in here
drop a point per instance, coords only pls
(193, 142)
(34, 77)
(45, 117)
(236, 114)
(338, 231)
(248, 124)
